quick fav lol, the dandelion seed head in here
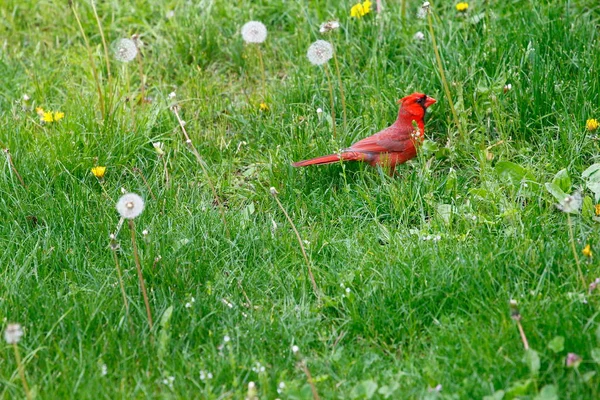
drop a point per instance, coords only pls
(125, 50)
(130, 205)
(295, 349)
(273, 191)
(419, 36)
(319, 111)
(571, 204)
(26, 97)
(329, 26)
(172, 95)
(319, 52)
(226, 339)
(13, 333)
(254, 32)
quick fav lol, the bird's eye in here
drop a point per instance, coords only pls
(421, 100)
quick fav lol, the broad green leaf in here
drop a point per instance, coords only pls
(592, 173)
(498, 395)
(548, 392)
(445, 212)
(596, 355)
(562, 180)
(556, 191)
(513, 172)
(532, 359)
(364, 390)
(588, 209)
(518, 389)
(166, 317)
(557, 344)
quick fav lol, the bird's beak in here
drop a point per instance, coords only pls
(429, 101)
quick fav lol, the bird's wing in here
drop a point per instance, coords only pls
(392, 139)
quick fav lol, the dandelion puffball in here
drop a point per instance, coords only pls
(254, 32)
(319, 52)
(125, 50)
(130, 205)
(13, 333)
(329, 26)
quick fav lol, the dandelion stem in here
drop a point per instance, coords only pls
(263, 72)
(14, 168)
(21, 369)
(523, 337)
(310, 379)
(403, 9)
(343, 97)
(91, 58)
(103, 40)
(141, 69)
(572, 239)
(312, 277)
(328, 74)
(188, 141)
(443, 75)
(139, 272)
(113, 246)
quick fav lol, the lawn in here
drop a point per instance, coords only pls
(413, 273)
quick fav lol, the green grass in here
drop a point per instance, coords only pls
(418, 313)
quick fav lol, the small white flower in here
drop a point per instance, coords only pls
(125, 50)
(25, 97)
(188, 305)
(103, 370)
(571, 204)
(347, 290)
(319, 111)
(295, 349)
(319, 52)
(145, 232)
(419, 36)
(329, 26)
(507, 87)
(226, 339)
(170, 14)
(13, 333)
(130, 205)
(254, 32)
(172, 95)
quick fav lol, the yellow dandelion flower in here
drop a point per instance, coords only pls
(58, 116)
(263, 107)
(587, 251)
(597, 210)
(361, 9)
(99, 172)
(462, 7)
(47, 117)
(592, 124)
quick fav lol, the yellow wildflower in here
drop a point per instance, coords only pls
(587, 251)
(592, 124)
(361, 9)
(597, 210)
(47, 117)
(99, 172)
(39, 111)
(263, 107)
(462, 7)
(58, 116)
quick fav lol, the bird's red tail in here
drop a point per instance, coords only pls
(329, 159)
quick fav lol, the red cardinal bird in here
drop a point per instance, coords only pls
(393, 145)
